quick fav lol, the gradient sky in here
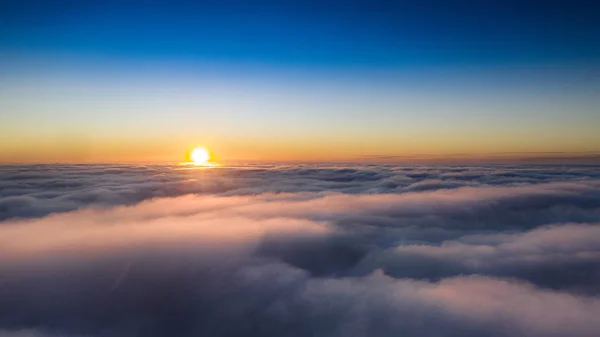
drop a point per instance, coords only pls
(85, 81)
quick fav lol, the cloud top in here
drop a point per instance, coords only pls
(300, 250)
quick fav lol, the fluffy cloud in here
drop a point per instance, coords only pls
(557, 257)
(296, 251)
(33, 191)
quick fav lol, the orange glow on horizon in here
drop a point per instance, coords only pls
(161, 149)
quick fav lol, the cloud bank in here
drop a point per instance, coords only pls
(372, 250)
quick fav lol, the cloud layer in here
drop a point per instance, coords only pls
(300, 250)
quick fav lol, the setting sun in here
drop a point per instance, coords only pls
(200, 156)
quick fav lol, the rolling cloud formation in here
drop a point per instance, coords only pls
(317, 250)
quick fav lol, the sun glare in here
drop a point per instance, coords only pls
(200, 156)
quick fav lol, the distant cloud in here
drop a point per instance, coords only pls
(33, 191)
(568, 158)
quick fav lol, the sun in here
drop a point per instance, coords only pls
(200, 156)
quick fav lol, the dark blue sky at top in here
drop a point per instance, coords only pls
(367, 34)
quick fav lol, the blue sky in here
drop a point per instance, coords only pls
(304, 79)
